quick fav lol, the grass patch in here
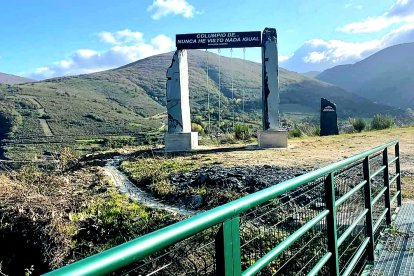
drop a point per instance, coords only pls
(407, 188)
(152, 173)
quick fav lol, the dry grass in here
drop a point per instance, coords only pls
(317, 151)
(37, 203)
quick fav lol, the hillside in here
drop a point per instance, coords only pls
(311, 74)
(131, 98)
(12, 79)
(385, 77)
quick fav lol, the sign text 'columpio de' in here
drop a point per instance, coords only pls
(218, 40)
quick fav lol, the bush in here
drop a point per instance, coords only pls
(295, 132)
(358, 124)
(228, 138)
(382, 122)
(198, 128)
(242, 132)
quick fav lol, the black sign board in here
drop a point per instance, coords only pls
(218, 40)
(329, 118)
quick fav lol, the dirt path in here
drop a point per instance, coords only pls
(41, 111)
(136, 194)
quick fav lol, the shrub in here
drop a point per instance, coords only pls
(242, 132)
(198, 128)
(358, 124)
(382, 122)
(295, 132)
(228, 138)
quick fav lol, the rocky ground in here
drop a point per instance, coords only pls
(211, 186)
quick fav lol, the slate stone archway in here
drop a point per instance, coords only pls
(179, 136)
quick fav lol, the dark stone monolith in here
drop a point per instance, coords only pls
(329, 118)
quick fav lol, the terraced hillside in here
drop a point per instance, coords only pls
(131, 99)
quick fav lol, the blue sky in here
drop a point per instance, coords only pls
(44, 38)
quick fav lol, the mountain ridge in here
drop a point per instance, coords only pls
(384, 77)
(13, 79)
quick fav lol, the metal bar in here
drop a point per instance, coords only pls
(228, 261)
(392, 161)
(398, 171)
(394, 178)
(378, 223)
(378, 172)
(331, 224)
(378, 196)
(343, 198)
(275, 252)
(395, 196)
(319, 265)
(368, 205)
(349, 230)
(122, 255)
(355, 259)
(387, 185)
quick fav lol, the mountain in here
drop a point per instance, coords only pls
(12, 79)
(131, 98)
(384, 77)
(311, 74)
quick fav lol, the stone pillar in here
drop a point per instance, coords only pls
(179, 136)
(272, 135)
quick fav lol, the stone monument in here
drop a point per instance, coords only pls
(272, 136)
(329, 118)
(179, 136)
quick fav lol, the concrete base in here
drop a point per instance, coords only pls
(181, 141)
(273, 139)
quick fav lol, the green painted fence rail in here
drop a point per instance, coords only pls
(228, 249)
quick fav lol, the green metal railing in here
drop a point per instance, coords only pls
(324, 221)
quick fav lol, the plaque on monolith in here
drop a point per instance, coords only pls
(329, 118)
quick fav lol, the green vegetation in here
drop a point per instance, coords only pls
(131, 99)
(197, 128)
(358, 124)
(382, 122)
(111, 215)
(152, 173)
(10, 119)
(63, 216)
(242, 132)
(295, 132)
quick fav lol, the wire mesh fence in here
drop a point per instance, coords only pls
(268, 225)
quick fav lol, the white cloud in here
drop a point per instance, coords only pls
(318, 54)
(119, 37)
(130, 46)
(282, 58)
(371, 24)
(314, 57)
(399, 13)
(163, 8)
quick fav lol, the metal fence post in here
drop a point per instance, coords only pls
(227, 243)
(398, 170)
(368, 205)
(331, 224)
(387, 196)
